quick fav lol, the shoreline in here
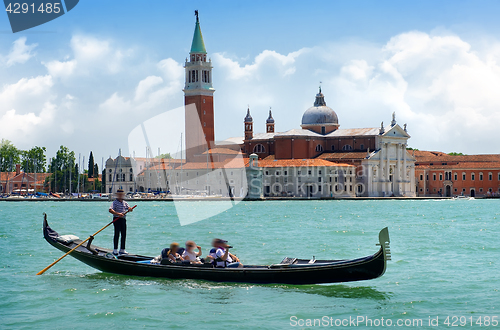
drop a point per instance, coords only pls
(229, 199)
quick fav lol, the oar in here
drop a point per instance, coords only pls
(76, 247)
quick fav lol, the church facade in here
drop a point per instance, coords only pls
(383, 165)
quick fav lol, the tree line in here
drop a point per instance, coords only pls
(65, 175)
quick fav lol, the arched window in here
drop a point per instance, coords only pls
(347, 147)
(333, 147)
(131, 171)
(319, 148)
(259, 148)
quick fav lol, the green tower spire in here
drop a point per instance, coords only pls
(198, 46)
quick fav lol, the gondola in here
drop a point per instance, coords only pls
(288, 271)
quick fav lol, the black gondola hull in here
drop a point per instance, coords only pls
(323, 271)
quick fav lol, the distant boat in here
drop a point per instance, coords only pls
(288, 271)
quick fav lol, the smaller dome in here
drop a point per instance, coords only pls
(248, 118)
(319, 114)
(270, 119)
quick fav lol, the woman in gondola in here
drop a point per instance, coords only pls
(172, 254)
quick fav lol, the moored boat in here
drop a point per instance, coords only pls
(288, 271)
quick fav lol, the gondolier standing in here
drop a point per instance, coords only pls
(118, 208)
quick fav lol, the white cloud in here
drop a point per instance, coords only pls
(61, 69)
(171, 69)
(89, 55)
(19, 53)
(29, 125)
(266, 62)
(146, 85)
(26, 93)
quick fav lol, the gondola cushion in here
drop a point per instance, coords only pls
(67, 239)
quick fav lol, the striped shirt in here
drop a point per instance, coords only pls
(120, 207)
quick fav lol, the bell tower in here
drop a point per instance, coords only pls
(248, 125)
(198, 93)
(270, 123)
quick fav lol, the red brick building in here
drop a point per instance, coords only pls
(21, 182)
(440, 174)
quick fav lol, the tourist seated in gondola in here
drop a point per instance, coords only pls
(190, 255)
(172, 253)
(221, 256)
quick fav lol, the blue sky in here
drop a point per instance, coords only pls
(374, 57)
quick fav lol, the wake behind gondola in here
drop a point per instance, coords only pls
(288, 271)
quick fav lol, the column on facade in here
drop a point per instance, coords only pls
(404, 162)
(397, 172)
(404, 167)
(381, 184)
(369, 180)
(387, 168)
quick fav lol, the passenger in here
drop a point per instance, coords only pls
(172, 254)
(221, 255)
(189, 253)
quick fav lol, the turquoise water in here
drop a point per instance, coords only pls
(444, 263)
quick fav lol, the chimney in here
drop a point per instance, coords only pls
(18, 169)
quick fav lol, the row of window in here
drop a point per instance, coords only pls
(193, 76)
(198, 57)
(259, 148)
(121, 170)
(309, 172)
(464, 190)
(448, 176)
(337, 187)
(120, 177)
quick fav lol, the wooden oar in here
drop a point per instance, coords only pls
(76, 247)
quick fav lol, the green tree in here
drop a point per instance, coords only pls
(62, 168)
(33, 160)
(456, 154)
(167, 156)
(9, 156)
(91, 165)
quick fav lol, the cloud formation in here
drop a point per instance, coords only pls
(445, 89)
(19, 53)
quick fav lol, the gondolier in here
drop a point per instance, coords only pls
(118, 208)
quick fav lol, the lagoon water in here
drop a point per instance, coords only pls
(445, 262)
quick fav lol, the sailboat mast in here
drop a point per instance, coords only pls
(79, 164)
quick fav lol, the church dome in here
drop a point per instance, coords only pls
(319, 114)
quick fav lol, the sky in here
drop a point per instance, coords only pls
(88, 78)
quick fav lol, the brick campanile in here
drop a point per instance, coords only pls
(198, 92)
